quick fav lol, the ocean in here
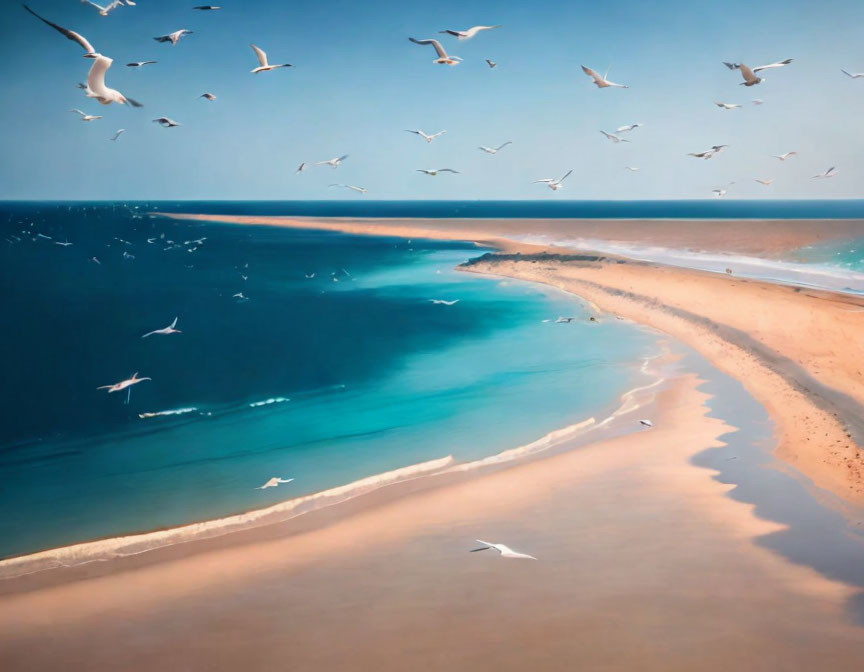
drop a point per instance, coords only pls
(319, 357)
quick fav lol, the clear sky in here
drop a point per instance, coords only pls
(358, 83)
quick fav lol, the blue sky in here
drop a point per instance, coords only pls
(358, 83)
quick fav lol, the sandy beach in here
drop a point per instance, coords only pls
(647, 558)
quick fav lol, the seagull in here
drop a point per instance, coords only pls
(174, 37)
(785, 156)
(853, 75)
(303, 166)
(138, 64)
(89, 51)
(442, 302)
(208, 96)
(708, 153)
(308, 276)
(103, 11)
(719, 193)
(647, 423)
(614, 138)
(426, 136)
(167, 330)
(495, 150)
(165, 122)
(602, 82)
(757, 101)
(207, 8)
(554, 184)
(750, 78)
(467, 34)
(564, 320)
(96, 88)
(443, 58)
(631, 169)
(491, 64)
(828, 173)
(628, 128)
(64, 244)
(262, 60)
(95, 261)
(727, 106)
(124, 385)
(434, 171)
(350, 186)
(240, 297)
(333, 163)
(120, 131)
(86, 117)
(505, 551)
(274, 482)
(766, 182)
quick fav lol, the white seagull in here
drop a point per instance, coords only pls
(89, 51)
(264, 66)
(103, 11)
(646, 422)
(124, 385)
(491, 64)
(727, 106)
(434, 171)
(853, 75)
(120, 131)
(505, 551)
(442, 302)
(165, 122)
(828, 173)
(554, 184)
(785, 156)
(350, 186)
(467, 34)
(628, 128)
(207, 8)
(443, 58)
(274, 482)
(426, 136)
(96, 88)
(208, 96)
(333, 163)
(494, 150)
(86, 117)
(602, 82)
(708, 153)
(139, 64)
(167, 330)
(757, 101)
(766, 182)
(631, 169)
(719, 192)
(614, 138)
(174, 37)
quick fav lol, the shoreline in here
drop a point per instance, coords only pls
(114, 548)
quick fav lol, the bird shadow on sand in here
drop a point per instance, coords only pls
(817, 534)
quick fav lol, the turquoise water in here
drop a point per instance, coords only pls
(847, 254)
(363, 373)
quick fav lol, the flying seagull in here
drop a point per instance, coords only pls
(628, 128)
(89, 51)
(758, 68)
(264, 66)
(443, 58)
(103, 11)
(719, 193)
(491, 64)
(333, 163)
(426, 136)
(208, 96)
(646, 422)
(727, 106)
(138, 64)
(614, 138)
(853, 75)
(274, 482)
(167, 330)
(757, 101)
(350, 186)
(708, 153)
(120, 131)
(207, 8)
(631, 169)
(434, 171)
(165, 122)
(602, 82)
(785, 156)
(96, 88)
(554, 184)
(303, 166)
(467, 34)
(766, 182)
(828, 173)
(495, 150)
(505, 551)
(442, 302)
(174, 37)
(124, 384)
(86, 117)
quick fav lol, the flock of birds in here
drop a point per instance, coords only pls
(97, 89)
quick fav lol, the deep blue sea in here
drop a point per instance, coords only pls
(333, 365)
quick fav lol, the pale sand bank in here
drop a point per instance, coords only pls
(644, 564)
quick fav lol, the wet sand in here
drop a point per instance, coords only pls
(644, 563)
